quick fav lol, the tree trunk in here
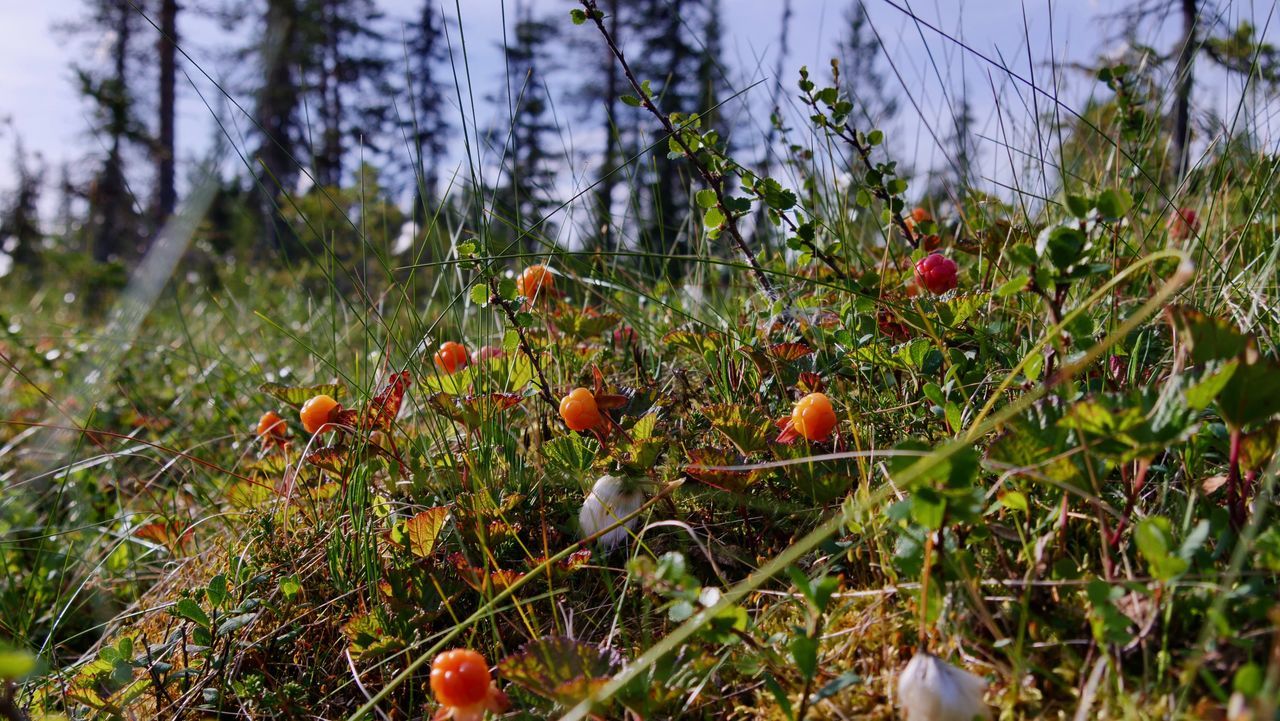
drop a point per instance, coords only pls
(167, 46)
(110, 191)
(277, 102)
(609, 163)
(1183, 72)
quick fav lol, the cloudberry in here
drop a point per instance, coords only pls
(460, 678)
(579, 410)
(535, 281)
(318, 411)
(813, 417)
(271, 425)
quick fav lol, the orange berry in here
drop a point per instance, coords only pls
(460, 678)
(579, 410)
(317, 412)
(535, 281)
(920, 215)
(452, 357)
(813, 417)
(270, 425)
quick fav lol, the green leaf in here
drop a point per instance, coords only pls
(577, 16)
(1208, 338)
(290, 587)
(1155, 543)
(479, 294)
(631, 101)
(1204, 391)
(1079, 205)
(507, 289)
(190, 610)
(1248, 680)
(1113, 204)
(15, 665)
(875, 137)
(804, 650)
(836, 685)
(1062, 245)
(713, 218)
(217, 590)
(235, 623)
(1013, 286)
(706, 198)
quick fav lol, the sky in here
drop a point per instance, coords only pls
(39, 103)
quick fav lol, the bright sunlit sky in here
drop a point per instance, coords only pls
(39, 102)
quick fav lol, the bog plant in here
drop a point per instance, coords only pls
(961, 461)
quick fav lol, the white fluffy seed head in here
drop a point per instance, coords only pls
(931, 689)
(610, 499)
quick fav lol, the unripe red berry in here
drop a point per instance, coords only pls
(936, 273)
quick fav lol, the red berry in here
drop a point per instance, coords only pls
(937, 273)
(1183, 223)
(579, 410)
(813, 417)
(460, 678)
(452, 357)
(317, 412)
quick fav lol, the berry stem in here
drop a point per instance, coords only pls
(543, 387)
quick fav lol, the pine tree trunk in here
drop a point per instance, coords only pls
(1183, 77)
(166, 191)
(276, 104)
(110, 191)
(609, 163)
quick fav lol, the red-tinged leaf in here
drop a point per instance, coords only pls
(423, 530)
(576, 560)
(810, 382)
(381, 412)
(297, 395)
(171, 534)
(483, 580)
(789, 434)
(561, 669)
(789, 352)
(703, 469)
(345, 418)
(598, 380)
(607, 401)
(329, 458)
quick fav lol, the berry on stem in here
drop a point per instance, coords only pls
(318, 411)
(937, 273)
(579, 410)
(536, 281)
(452, 357)
(813, 417)
(271, 427)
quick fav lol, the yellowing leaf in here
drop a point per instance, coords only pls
(424, 529)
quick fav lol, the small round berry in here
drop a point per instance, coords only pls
(270, 425)
(579, 410)
(317, 412)
(452, 357)
(937, 273)
(1183, 223)
(920, 215)
(813, 417)
(460, 678)
(535, 281)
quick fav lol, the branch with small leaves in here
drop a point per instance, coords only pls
(683, 138)
(831, 113)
